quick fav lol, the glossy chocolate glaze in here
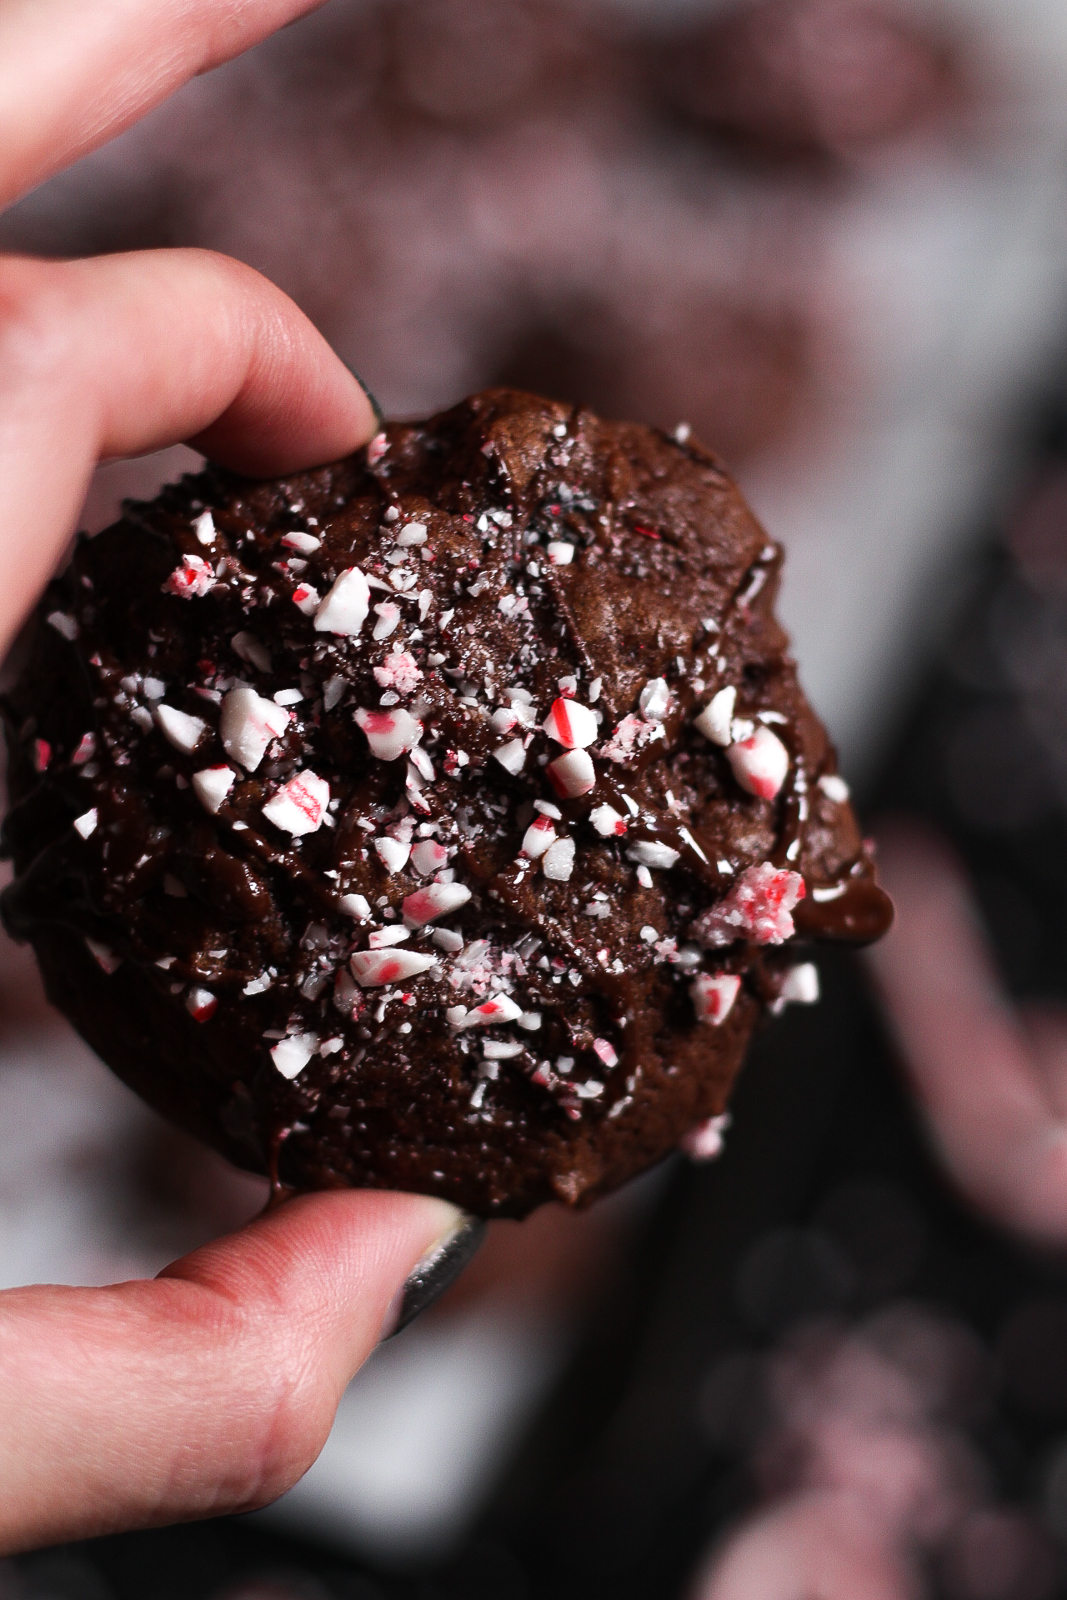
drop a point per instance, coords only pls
(186, 945)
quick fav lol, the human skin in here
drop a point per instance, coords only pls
(211, 1388)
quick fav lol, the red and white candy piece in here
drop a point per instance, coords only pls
(382, 938)
(247, 725)
(191, 580)
(104, 956)
(537, 838)
(800, 986)
(412, 533)
(713, 995)
(571, 724)
(757, 907)
(651, 853)
(201, 1004)
(606, 1051)
(42, 755)
(390, 734)
(306, 598)
(608, 822)
(86, 750)
(388, 621)
(292, 1055)
(212, 785)
(512, 756)
(428, 856)
(373, 968)
(572, 774)
(392, 853)
(834, 788)
(559, 552)
(654, 700)
(86, 823)
(398, 671)
(178, 727)
(344, 608)
(302, 543)
(558, 862)
(716, 720)
(705, 1141)
(204, 527)
(759, 763)
(299, 805)
(436, 900)
(500, 1009)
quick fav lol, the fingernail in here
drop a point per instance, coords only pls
(379, 414)
(436, 1272)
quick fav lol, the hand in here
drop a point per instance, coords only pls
(212, 1388)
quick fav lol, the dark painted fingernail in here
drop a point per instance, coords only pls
(438, 1270)
(379, 414)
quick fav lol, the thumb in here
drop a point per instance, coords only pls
(209, 1389)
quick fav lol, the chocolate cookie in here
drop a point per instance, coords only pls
(440, 820)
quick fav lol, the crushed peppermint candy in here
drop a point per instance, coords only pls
(801, 985)
(651, 853)
(388, 614)
(538, 836)
(392, 853)
(428, 856)
(760, 763)
(374, 968)
(201, 1004)
(559, 552)
(502, 1049)
(248, 723)
(705, 1141)
(86, 750)
(211, 786)
(68, 626)
(834, 788)
(302, 543)
(713, 995)
(376, 449)
(511, 756)
(501, 1008)
(390, 734)
(715, 722)
(608, 822)
(306, 598)
(382, 938)
(654, 700)
(398, 671)
(757, 908)
(291, 1055)
(248, 647)
(204, 527)
(86, 823)
(193, 579)
(558, 861)
(606, 1051)
(436, 900)
(178, 727)
(299, 805)
(42, 755)
(344, 608)
(572, 774)
(631, 735)
(103, 955)
(355, 905)
(412, 533)
(571, 724)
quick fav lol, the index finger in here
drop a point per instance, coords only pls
(73, 74)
